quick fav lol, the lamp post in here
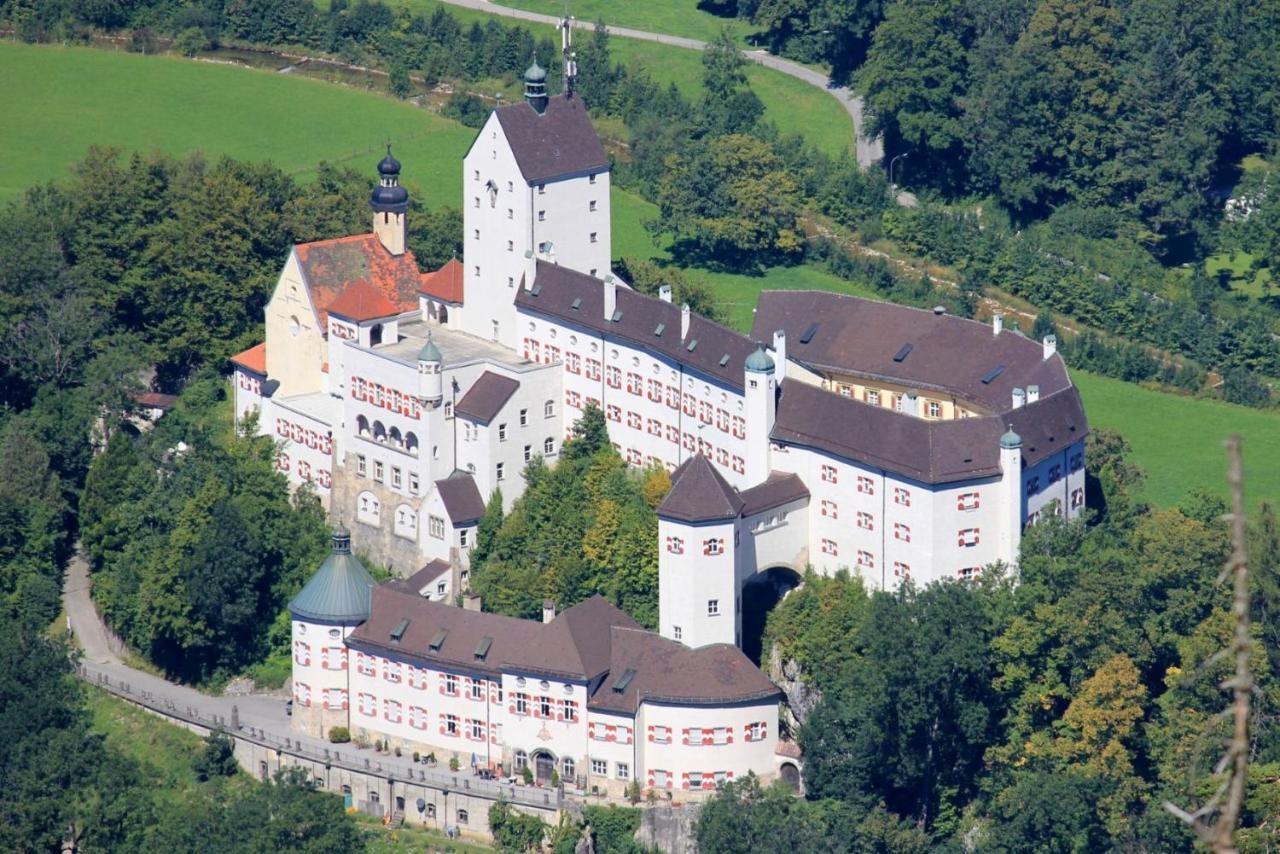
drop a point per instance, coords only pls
(892, 161)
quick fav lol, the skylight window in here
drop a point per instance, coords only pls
(659, 329)
(990, 375)
(903, 352)
(577, 303)
(809, 333)
(624, 680)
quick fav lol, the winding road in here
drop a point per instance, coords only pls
(868, 151)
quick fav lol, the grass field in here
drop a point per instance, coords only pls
(164, 751)
(675, 17)
(1178, 441)
(794, 106)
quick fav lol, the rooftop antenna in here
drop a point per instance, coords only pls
(566, 50)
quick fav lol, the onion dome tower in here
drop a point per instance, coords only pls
(390, 202)
(535, 87)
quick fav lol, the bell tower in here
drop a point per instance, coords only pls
(389, 201)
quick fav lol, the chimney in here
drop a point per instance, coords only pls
(548, 610)
(1033, 393)
(779, 355)
(997, 323)
(610, 297)
(1050, 345)
(1019, 398)
(684, 321)
(471, 602)
(664, 293)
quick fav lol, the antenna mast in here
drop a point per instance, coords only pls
(566, 49)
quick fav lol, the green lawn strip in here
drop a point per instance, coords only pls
(672, 17)
(380, 839)
(71, 98)
(165, 751)
(1242, 278)
(1178, 440)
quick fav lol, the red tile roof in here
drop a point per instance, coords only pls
(360, 302)
(444, 284)
(330, 267)
(155, 400)
(254, 359)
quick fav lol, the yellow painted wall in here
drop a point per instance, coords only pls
(296, 346)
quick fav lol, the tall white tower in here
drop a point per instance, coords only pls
(430, 372)
(1011, 497)
(760, 382)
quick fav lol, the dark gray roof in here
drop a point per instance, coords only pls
(575, 645)
(486, 397)
(927, 451)
(719, 353)
(559, 141)
(699, 493)
(339, 590)
(777, 489)
(461, 498)
(862, 337)
(668, 671)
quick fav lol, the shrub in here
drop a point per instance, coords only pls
(526, 774)
(453, 763)
(555, 779)
(339, 735)
(218, 758)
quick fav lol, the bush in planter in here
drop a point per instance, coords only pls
(339, 735)
(431, 758)
(416, 756)
(453, 763)
(555, 779)
(526, 774)
(397, 751)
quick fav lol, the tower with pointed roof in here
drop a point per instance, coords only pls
(328, 608)
(535, 87)
(431, 372)
(390, 202)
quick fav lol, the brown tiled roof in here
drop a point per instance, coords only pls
(778, 489)
(717, 352)
(575, 645)
(359, 301)
(329, 267)
(559, 141)
(155, 399)
(444, 284)
(927, 451)
(461, 498)
(486, 397)
(422, 578)
(254, 359)
(699, 493)
(668, 671)
(861, 337)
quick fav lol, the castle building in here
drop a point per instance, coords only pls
(841, 433)
(586, 696)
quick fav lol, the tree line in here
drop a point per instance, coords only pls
(1054, 714)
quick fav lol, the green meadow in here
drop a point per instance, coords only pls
(70, 98)
(794, 106)
(1178, 440)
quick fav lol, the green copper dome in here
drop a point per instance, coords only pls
(340, 590)
(430, 352)
(1010, 440)
(760, 361)
(535, 73)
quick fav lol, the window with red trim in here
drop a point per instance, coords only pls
(865, 522)
(830, 509)
(902, 496)
(613, 376)
(866, 560)
(968, 537)
(967, 501)
(675, 545)
(829, 474)
(902, 532)
(829, 547)
(713, 546)
(866, 485)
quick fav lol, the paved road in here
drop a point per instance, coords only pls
(869, 151)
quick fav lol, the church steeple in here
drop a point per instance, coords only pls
(389, 201)
(535, 87)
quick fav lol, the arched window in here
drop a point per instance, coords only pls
(394, 436)
(549, 446)
(369, 509)
(406, 522)
(379, 432)
(411, 443)
(362, 426)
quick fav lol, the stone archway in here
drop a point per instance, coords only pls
(790, 775)
(544, 765)
(760, 595)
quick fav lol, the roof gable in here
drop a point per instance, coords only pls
(444, 284)
(330, 267)
(699, 493)
(486, 397)
(559, 141)
(461, 498)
